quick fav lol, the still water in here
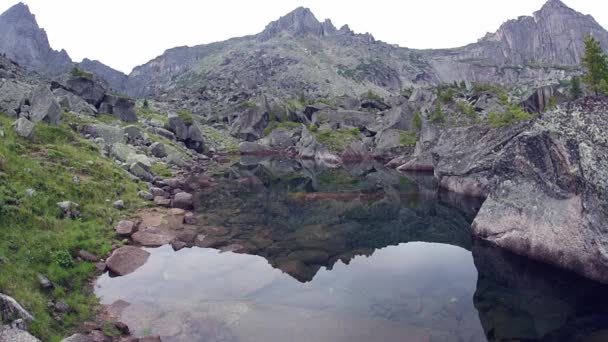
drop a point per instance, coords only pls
(357, 254)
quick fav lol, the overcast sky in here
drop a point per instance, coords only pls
(127, 33)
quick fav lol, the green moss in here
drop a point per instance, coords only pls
(407, 138)
(338, 140)
(36, 239)
(186, 116)
(285, 124)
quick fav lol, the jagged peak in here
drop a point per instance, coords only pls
(299, 22)
(553, 6)
(18, 11)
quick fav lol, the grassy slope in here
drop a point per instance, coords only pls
(35, 238)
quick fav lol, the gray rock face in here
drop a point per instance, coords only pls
(110, 134)
(23, 41)
(189, 133)
(73, 103)
(547, 198)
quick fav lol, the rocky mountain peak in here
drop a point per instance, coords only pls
(22, 40)
(299, 22)
(18, 11)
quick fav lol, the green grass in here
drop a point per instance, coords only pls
(285, 124)
(35, 239)
(337, 140)
(466, 109)
(407, 138)
(162, 170)
(150, 113)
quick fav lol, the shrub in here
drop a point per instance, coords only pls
(417, 120)
(437, 117)
(78, 72)
(186, 116)
(276, 124)
(467, 109)
(513, 114)
(370, 95)
(338, 140)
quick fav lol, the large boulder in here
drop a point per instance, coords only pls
(69, 101)
(187, 132)
(44, 106)
(11, 334)
(309, 148)
(24, 128)
(110, 134)
(121, 107)
(87, 88)
(12, 95)
(251, 122)
(547, 199)
(282, 138)
(10, 309)
(126, 260)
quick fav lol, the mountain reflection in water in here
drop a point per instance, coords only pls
(357, 254)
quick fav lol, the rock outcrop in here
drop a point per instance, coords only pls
(548, 195)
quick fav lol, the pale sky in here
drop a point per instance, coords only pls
(127, 33)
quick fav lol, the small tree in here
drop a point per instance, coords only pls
(417, 120)
(146, 105)
(596, 64)
(575, 87)
(438, 117)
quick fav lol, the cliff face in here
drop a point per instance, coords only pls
(23, 41)
(554, 35)
(115, 79)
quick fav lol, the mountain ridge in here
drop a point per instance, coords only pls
(551, 37)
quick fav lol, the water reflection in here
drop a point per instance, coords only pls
(358, 254)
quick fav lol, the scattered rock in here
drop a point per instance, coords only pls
(125, 228)
(189, 219)
(78, 338)
(84, 255)
(122, 108)
(24, 128)
(158, 192)
(62, 307)
(158, 150)
(140, 171)
(69, 209)
(99, 336)
(178, 245)
(162, 201)
(182, 200)
(30, 192)
(44, 282)
(126, 260)
(100, 266)
(146, 196)
(151, 239)
(120, 204)
(206, 241)
(150, 339)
